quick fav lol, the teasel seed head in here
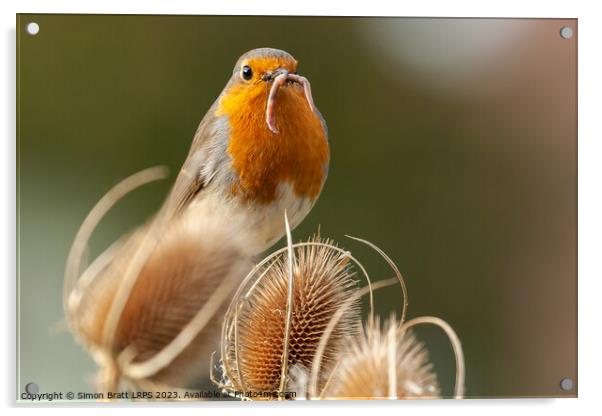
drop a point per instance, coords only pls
(173, 282)
(254, 337)
(386, 363)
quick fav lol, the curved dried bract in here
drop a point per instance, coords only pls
(254, 337)
(383, 364)
(455, 343)
(172, 314)
(316, 366)
(75, 261)
(395, 269)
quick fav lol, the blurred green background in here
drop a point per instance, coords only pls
(453, 149)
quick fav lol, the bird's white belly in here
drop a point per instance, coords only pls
(261, 225)
(269, 219)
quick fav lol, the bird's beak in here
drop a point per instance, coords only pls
(278, 78)
(272, 75)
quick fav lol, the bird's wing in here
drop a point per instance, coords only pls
(199, 168)
(189, 181)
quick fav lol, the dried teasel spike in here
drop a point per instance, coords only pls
(252, 279)
(298, 288)
(255, 276)
(392, 354)
(170, 319)
(290, 292)
(383, 363)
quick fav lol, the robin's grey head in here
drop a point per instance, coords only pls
(263, 64)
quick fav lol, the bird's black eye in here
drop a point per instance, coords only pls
(247, 73)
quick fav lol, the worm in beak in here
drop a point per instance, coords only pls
(278, 79)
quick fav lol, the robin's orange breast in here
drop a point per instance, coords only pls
(297, 155)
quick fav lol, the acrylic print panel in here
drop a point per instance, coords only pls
(152, 245)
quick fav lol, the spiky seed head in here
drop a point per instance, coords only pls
(323, 282)
(379, 362)
(194, 256)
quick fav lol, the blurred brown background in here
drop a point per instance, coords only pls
(453, 149)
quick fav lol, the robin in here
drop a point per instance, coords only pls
(261, 149)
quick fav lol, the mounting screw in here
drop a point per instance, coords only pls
(32, 28)
(566, 384)
(32, 388)
(566, 32)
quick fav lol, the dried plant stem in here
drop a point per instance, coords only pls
(108, 377)
(392, 361)
(317, 362)
(236, 349)
(80, 243)
(456, 345)
(289, 307)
